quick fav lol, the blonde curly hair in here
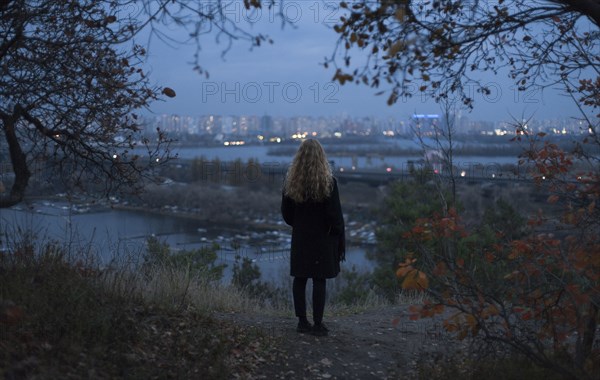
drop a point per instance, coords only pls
(309, 177)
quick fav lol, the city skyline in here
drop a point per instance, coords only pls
(328, 126)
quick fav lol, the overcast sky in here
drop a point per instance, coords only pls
(288, 79)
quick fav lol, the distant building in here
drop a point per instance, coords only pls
(425, 124)
(266, 125)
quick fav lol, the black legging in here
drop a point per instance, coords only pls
(299, 291)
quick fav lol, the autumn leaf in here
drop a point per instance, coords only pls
(396, 47)
(591, 207)
(169, 92)
(342, 77)
(440, 269)
(489, 311)
(403, 271)
(472, 323)
(415, 280)
(450, 327)
(553, 198)
(400, 14)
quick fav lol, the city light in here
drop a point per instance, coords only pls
(250, 127)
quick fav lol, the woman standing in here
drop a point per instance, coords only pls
(311, 205)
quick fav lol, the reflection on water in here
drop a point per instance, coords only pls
(110, 233)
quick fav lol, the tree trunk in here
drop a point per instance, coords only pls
(589, 332)
(19, 163)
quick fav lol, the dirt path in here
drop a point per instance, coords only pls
(367, 345)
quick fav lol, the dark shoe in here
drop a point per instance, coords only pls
(304, 327)
(320, 330)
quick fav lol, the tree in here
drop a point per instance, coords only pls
(535, 290)
(68, 93)
(407, 201)
(71, 80)
(439, 47)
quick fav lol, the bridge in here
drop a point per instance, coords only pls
(240, 171)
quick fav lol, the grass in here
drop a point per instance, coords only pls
(65, 318)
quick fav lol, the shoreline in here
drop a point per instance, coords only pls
(235, 226)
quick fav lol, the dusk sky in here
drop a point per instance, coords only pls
(288, 79)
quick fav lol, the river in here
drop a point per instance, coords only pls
(121, 234)
(374, 161)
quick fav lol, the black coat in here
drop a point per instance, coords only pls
(318, 235)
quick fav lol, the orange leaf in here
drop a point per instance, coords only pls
(592, 207)
(415, 280)
(404, 270)
(491, 310)
(440, 269)
(471, 321)
(450, 327)
(423, 281)
(553, 199)
(169, 92)
(414, 309)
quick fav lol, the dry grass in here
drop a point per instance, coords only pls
(63, 318)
